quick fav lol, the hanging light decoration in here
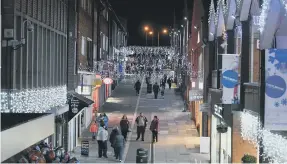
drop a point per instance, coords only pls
(145, 50)
(37, 100)
(274, 148)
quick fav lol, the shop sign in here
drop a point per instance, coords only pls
(74, 104)
(85, 148)
(204, 107)
(218, 110)
(108, 81)
(195, 95)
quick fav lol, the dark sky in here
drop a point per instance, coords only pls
(156, 13)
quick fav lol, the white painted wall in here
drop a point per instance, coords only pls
(16, 139)
(88, 116)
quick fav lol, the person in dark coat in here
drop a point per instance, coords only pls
(138, 87)
(169, 82)
(156, 89)
(125, 125)
(119, 144)
(154, 129)
(141, 121)
(113, 135)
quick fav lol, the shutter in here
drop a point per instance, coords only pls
(41, 9)
(35, 6)
(30, 7)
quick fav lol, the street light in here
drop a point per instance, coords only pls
(146, 28)
(151, 34)
(164, 31)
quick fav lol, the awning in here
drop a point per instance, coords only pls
(77, 103)
(21, 130)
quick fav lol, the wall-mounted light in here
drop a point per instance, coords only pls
(185, 18)
(211, 33)
(195, 27)
(232, 16)
(181, 25)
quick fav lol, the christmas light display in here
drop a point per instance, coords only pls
(211, 12)
(37, 100)
(274, 148)
(238, 3)
(264, 12)
(147, 50)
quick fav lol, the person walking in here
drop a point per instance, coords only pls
(141, 126)
(119, 144)
(102, 138)
(154, 129)
(113, 135)
(125, 125)
(156, 89)
(169, 82)
(106, 120)
(94, 129)
(137, 87)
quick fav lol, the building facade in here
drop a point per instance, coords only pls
(34, 64)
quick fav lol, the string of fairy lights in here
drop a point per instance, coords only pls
(252, 131)
(37, 100)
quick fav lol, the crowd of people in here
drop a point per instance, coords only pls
(156, 88)
(118, 136)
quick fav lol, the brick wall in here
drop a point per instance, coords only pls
(85, 24)
(240, 146)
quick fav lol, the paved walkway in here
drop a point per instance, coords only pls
(178, 137)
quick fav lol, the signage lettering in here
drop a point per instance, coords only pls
(218, 110)
(74, 105)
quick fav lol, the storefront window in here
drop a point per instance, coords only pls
(238, 41)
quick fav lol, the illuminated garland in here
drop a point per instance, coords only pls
(273, 144)
(221, 7)
(238, 3)
(263, 16)
(211, 12)
(145, 50)
(264, 12)
(33, 100)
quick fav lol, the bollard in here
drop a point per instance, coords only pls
(142, 156)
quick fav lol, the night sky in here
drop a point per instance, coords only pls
(158, 14)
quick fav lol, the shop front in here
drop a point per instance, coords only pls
(79, 117)
(221, 132)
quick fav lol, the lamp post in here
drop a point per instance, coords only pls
(151, 34)
(146, 28)
(164, 31)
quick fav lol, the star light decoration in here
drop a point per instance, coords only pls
(37, 100)
(273, 144)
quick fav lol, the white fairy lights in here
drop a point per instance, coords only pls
(211, 12)
(37, 100)
(147, 50)
(263, 15)
(273, 144)
(264, 12)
